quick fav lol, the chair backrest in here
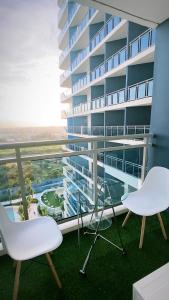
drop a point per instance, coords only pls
(5, 223)
(156, 184)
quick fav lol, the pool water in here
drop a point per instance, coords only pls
(12, 213)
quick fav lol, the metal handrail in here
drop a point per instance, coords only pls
(138, 37)
(102, 28)
(68, 22)
(114, 92)
(85, 130)
(117, 52)
(19, 157)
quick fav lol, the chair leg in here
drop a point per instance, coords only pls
(126, 218)
(162, 226)
(142, 232)
(16, 282)
(54, 273)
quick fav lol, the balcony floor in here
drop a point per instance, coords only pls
(110, 275)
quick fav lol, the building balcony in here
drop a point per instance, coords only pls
(74, 183)
(135, 265)
(80, 30)
(72, 15)
(65, 97)
(107, 130)
(120, 59)
(134, 95)
(106, 33)
(62, 10)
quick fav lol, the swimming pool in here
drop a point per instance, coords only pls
(12, 213)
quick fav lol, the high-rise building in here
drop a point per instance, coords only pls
(107, 67)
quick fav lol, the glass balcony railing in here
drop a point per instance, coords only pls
(80, 83)
(121, 164)
(50, 178)
(82, 107)
(81, 26)
(98, 102)
(108, 130)
(116, 97)
(114, 130)
(65, 75)
(80, 56)
(116, 59)
(140, 90)
(78, 183)
(137, 91)
(104, 31)
(83, 130)
(72, 13)
(142, 42)
(97, 72)
(78, 167)
(62, 8)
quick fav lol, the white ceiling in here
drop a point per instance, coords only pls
(146, 12)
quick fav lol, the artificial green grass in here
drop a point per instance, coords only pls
(109, 275)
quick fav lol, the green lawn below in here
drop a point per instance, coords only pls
(52, 199)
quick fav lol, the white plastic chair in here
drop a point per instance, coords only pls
(28, 239)
(151, 199)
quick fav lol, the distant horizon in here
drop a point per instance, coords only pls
(29, 126)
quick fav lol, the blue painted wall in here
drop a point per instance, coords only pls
(93, 28)
(115, 83)
(114, 46)
(96, 61)
(135, 30)
(159, 155)
(97, 119)
(113, 118)
(97, 91)
(137, 73)
(79, 99)
(77, 121)
(138, 115)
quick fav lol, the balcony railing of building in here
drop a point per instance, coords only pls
(81, 83)
(65, 95)
(78, 167)
(104, 31)
(113, 161)
(108, 130)
(138, 91)
(121, 164)
(79, 184)
(69, 20)
(18, 158)
(65, 74)
(142, 42)
(116, 59)
(80, 28)
(80, 56)
(62, 8)
(98, 102)
(82, 107)
(98, 71)
(119, 57)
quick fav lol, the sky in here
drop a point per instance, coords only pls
(29, 73)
